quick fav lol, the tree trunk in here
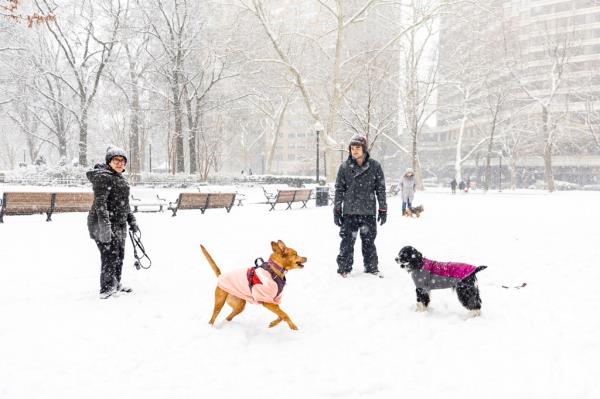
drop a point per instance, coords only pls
(513, 172)
(271, 153)
(416, 165)
(62, 146)
(178, 135)
(487, 181)
(83, 127)
(549, 177)
(458, 159)
(134, 134)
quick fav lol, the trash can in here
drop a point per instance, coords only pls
(322, 195)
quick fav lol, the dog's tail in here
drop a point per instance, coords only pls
(211, 261)
(479, 268)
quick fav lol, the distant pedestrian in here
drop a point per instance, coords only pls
(359, 182)
(462, 185)
(407, 189)
(108, 218)
(453, 186)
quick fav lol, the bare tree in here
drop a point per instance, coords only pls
(10, 9)
(274, 111)
(343, 63)
(206, 71)
(373, 112)
(172, 30)
(134, 39)
(419, 65)
(86, 53)
(28, 125)
(557, 50)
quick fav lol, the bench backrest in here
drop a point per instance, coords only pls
(73, 202)
(284, 196)
(220, 200)
(205, 200)
(303, 194)
(192, 200)
(26, 203)
(293, 195)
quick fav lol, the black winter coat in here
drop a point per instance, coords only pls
(357, 186)
(110, 211)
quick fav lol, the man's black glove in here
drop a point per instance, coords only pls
(382, 217)
(338, 219)
(134, 227)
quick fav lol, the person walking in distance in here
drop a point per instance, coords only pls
(453, 186)
(108, 218)
(407, 189)
(359, 182)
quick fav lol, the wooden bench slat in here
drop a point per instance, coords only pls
(203, 201)
(28, 203)
(25, 203)
(289, 196)
(73, 202)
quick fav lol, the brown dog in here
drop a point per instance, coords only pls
(416, 211)
(262, 284)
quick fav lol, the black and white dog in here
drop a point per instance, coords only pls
(431, 275)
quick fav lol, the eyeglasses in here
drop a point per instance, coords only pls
(119, 160)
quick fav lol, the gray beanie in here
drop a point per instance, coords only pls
(113, 151)
(358, 139)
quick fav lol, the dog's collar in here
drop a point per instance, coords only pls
(275, 266)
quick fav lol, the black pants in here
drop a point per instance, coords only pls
(367, 225)
(111, 255)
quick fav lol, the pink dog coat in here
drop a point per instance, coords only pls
(448, 269)
(255, 287)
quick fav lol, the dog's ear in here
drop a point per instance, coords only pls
(416, 255)
(281, 245)
(278, 246)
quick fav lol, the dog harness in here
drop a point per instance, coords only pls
(256, 284)
(268, 266)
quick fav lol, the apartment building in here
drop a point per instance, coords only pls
(516, 48)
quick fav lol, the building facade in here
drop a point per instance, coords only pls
(530, 55)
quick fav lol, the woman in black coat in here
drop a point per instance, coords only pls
(108, 218)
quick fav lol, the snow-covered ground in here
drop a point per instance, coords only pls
(358, 337)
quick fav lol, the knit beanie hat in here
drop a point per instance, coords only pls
(113, 151)
(358, 139)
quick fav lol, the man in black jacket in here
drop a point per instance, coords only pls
(359, 180)
(108, 218)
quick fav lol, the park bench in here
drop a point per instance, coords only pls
(202, 201)
(240, 198)
(29, 203)
(289, 196)
(71, 202)
(138, 202)
(394, 189)
(25, 203)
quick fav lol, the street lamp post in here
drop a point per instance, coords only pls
(318, 129)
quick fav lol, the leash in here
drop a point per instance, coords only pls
(136, 241)
(516, 287)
